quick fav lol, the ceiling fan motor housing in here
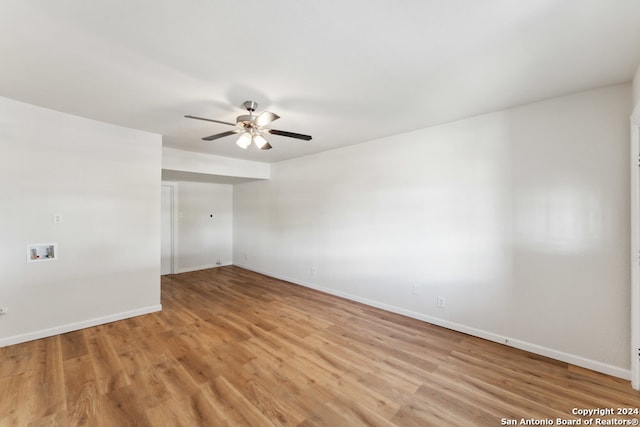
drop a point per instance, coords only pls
(246, 120)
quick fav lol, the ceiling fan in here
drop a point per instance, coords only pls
(250, 127)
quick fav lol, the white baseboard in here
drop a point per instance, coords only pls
(44, 333)
(511, 342)
(201, 267)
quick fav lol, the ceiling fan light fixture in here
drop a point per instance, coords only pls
(259, 141)
(244, 141)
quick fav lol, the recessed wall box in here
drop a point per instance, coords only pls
(38, 252)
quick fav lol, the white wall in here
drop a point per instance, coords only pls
(635, 244)
(519, 218)
(203, 241)
(105, 181)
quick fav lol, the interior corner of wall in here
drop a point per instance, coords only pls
(636, 90)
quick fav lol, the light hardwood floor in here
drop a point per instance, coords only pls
(236, 348)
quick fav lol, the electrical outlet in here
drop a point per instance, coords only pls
(416, 289)
(4, 310)
(313, 272)
(441, 302)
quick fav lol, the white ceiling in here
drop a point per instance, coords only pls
(342, 71)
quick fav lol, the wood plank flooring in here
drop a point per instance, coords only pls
(235, 348)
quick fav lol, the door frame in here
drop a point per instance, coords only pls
(635, 249)
(173, 191)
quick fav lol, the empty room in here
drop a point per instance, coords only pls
(302, 213)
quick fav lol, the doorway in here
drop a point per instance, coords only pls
(167, 229)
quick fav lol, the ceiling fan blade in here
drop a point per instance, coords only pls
(220, 135)
(266, 146)
(290, 134)
(265, 118)
(210, 120)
